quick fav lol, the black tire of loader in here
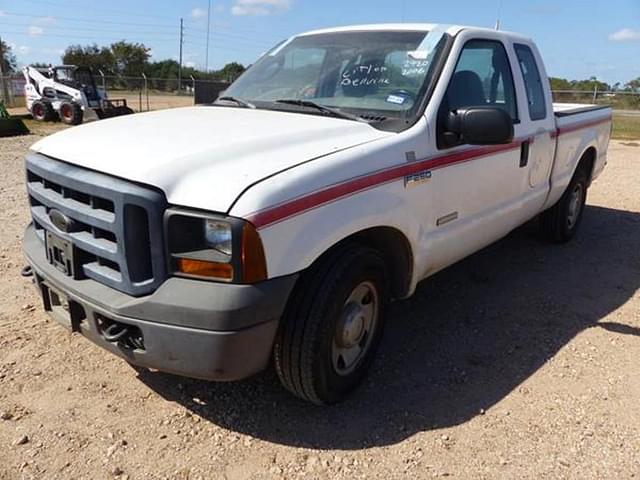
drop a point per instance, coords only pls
(70, 113)
(42, 111)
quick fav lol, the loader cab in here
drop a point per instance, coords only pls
(80, 78)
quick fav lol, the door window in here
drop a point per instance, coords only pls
(482, 78)
(532, 82)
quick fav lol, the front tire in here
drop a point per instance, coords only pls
(70, 113)
(560, 223)
(332, 326)
(42, 111)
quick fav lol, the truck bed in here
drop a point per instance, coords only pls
(566, 109)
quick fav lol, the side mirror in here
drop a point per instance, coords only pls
(478, 126)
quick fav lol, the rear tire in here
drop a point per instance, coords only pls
(332, 326)
(560, 223)
(42, 111)
(70, 113)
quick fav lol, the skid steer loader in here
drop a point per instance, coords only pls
(68, 92)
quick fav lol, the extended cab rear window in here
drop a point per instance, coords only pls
(532, 82)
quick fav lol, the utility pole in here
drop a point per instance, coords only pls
(206, 60)
(181, 42)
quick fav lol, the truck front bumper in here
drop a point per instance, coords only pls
(198, 329)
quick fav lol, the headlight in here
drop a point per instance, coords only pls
(209, 246)
(218, 235)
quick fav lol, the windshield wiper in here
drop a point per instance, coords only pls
(321, 108)
(237, 101)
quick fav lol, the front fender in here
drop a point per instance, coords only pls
(294, 244)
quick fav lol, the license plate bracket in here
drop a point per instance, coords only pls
(59, 253)
(57, 304)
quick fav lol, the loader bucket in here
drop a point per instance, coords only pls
(10, 127)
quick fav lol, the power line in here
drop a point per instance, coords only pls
(71, 37)
(84, 20)
(88, 29)
(83, 4)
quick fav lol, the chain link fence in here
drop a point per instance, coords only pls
(148, 93)
(618, 100)
(142, 93)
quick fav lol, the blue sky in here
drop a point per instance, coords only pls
(578, 38)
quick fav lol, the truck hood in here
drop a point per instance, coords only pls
(206, 156)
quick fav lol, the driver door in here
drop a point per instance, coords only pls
(477, 189)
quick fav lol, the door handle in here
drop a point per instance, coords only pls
(524, 153)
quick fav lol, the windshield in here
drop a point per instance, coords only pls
(372, 74)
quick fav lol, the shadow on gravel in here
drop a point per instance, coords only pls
(469, 336)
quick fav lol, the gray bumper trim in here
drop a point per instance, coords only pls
(178, 301)
(236, 324)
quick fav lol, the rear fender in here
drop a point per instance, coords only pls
(569, 151)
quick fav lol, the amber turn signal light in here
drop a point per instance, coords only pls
(254, 265)
(203, 268)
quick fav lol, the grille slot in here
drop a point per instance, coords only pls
(115, 225)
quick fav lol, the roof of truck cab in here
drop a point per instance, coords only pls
(450, 29)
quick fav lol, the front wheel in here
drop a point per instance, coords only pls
(560, 222)
(332, 326)
(70, 113)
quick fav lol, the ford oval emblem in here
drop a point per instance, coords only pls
(61, 221)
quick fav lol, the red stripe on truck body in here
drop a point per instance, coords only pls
(309, 201)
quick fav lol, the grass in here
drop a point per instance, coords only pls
(626, 127)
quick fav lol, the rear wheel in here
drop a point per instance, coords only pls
(42, 111)
(560, 223)
(70, 113)
(332, 326)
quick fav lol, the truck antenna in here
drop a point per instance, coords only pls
(497, 27)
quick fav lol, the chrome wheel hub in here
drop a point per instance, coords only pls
(575, 205)
(354, 329)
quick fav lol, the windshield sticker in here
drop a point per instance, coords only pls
(365, 75)
(397, 99)
(414, 68)
(425, 51)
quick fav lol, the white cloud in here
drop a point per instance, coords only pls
(198, 13)
(45, 20)
(625, 35)
(35, 30)
(2, 14)
(260, 7)
(190, 64)
(24, 50)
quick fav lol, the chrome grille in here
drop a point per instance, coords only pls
(117, 225)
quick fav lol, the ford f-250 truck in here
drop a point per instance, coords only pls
(342, 168)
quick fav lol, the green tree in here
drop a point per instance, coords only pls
(130, 59)
(590, 85)
(91, 56)
(560, 83)
(633, 85)
(9, 62)
(230, 71)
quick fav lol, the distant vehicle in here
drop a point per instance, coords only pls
(345, 166)
(69, 93)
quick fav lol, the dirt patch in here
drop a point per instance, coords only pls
(520, 362)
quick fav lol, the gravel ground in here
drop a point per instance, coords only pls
(520, 362)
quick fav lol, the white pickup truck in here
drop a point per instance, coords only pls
(342, 168)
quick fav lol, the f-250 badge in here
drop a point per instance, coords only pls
(417, 178)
